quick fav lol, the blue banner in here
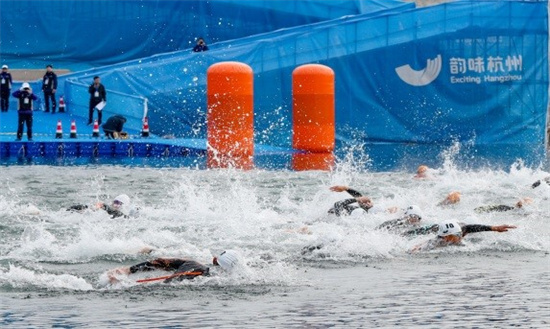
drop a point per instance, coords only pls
(466, 71)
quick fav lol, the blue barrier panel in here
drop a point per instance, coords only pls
(91, 33)
(141, 149)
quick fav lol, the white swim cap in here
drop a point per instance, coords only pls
(25, 85)
(124, 199)
(449, 228)
(228, 259)
(414, 210)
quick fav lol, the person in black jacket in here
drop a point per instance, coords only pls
(25, 107)
(5, 88)
(113, 127)
(49, 87)
(200, 46)
(97, 95)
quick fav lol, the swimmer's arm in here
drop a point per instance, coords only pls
(494, 208)
(427, 245)
(342, 188)
(113, 212)
(77, 207)
(423, 230)
(475, 228)
(354, 193)
(389, 224)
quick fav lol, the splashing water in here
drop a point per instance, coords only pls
(277, 220)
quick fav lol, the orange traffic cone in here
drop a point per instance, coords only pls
(145, 130)
(95, 132)
(59, 130)
(61, 105)
(73, 129)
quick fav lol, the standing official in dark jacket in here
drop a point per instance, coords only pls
(24, 110)
(200, 46)
(5, 88)
(97, 95)
(49, 87)
(114, 125)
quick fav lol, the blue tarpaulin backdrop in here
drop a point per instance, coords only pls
(77, 34)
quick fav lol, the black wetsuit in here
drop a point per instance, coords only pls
(393, 224)
(423, 230)
(537, 183)
(110, 210)
(176, 265)
(494, 208)
(347, 206)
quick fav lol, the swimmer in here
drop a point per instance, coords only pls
(182, 268)
(452, 233)
(544, 180)
(347, 206)
(411, 219)
(503, 207)
(421, 172)
(120, 207)
(451, 199)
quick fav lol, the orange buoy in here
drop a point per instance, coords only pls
(313, 161)
(230, 115)
(313, 113)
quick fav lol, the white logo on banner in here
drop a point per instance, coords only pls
(422, 77)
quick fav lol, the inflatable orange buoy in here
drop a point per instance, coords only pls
(58, 130)
(313, 114)
(313, 161)
(313, 108)
(73, 129)
(230, 116)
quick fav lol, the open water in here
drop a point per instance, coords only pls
(53, 263)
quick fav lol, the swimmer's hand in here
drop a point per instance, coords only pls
(502, 228)
(112, 274)
(339, 188)
(146, 250)
(99, 205)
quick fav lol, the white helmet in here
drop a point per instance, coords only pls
(228, 259)
(25, 85)
(123, 199)
(449, 228)
(414, 210)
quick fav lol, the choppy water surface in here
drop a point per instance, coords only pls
(53, 262)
